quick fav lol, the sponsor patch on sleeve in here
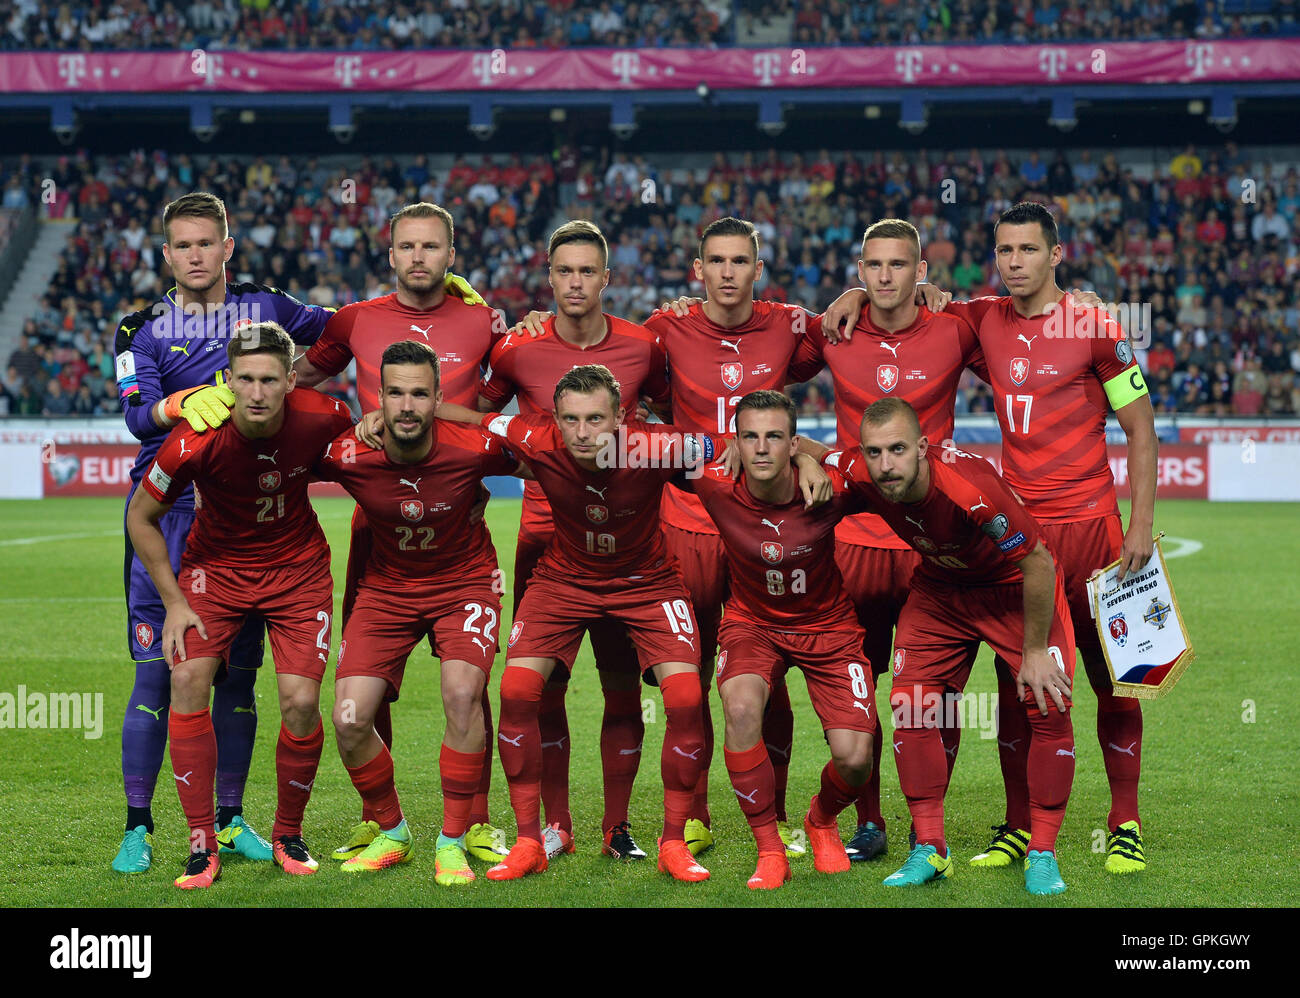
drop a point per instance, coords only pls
(498, 425)
(160, 479)
(696, 450)
(1012, 542)
(125, 370)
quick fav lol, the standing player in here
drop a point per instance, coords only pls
(606, 559)
(896, 350)
(528, 368)
(256, 547)
(1055, 368)
(462, 329)
(430, 572)
(787, 608)
(985, 575)
(162, 353)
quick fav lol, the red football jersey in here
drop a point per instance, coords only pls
(606, 521)
(712, 368)
(921, 364)
(419, 514)
(252, 494)
(969, 528)
(1051, 375)
(529, 367)
(780, 559)
(462, 334)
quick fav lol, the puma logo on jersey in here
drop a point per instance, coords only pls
(558, 743)
(632, 751)
(1069, 752)
(898, 748)
(481, 644)
(526, 436)
(184, 349)
(183, 452)
(1009, 746)
(749, 796)
(982, 505)
(599, 492)
(1029, 343)
(510, 741)
(415, 484)
(689, 641)
(186, 778)
(775, 526)
(328, 447)
(687, 755)
(1126, 751)
(784, 753)
(423, 332)
(735, 346)
(892, 349)
(917, 523)
(269, 457)
(304, 787)
(862, 707)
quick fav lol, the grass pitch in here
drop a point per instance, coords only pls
(1218, 793)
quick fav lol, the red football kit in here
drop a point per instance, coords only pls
(256, 545)
(1053, 376)
(971, 531)
(606, 559)
(432, 567)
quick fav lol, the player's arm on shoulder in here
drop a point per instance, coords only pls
(532, 324)
(1038, 669)
(842, 314)
(932, 297)
(305, 324)
(329, 353)
(809, 357)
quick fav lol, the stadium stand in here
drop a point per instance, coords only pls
(1211, 283)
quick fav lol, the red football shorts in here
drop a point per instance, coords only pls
(461, 621)
(703, 562)
(359, 546)
(654, 610)
(610, 642)
(1080, 548)
(837, 672)
(296, 601)
(877, 581)
(939, 624)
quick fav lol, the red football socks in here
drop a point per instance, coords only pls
(1051, 773)
(461, 773)
(296, 762)
(753, 781)
(193, 744)
(478, 812)
(374, 782)
(553, 727)
(621, 733)
(778, 736)
(683, 748)
(519, 741)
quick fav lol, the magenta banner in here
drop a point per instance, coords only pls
(211, 71)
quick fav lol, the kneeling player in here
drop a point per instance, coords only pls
(431, 571)
(787, 608)
(256, 547)
(606, 560)
(985, 575)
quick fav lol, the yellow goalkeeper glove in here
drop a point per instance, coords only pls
(458, 286)
(207, 406)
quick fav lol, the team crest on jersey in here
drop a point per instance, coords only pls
(732, 375)
(413, 509)
(772, 552)
(143, 634)
(923, 544)
(887, 377)
(1118, 629)
(722, 661)
(900, 656)
(268, 481)
(1157, 613)
(597, 514)
(515, 631)
(1019, 370)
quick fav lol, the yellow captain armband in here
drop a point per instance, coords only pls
(1125, 387)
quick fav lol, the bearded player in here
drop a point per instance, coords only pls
(985, 575)
(1056, 368)
(256, 547)
(162, 353)
(527, 368)
(443, 311)
(787, 608)
(431, 571)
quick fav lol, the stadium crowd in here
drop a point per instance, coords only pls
(1199, 250)
(391, 24)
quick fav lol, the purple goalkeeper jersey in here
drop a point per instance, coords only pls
(163, 349)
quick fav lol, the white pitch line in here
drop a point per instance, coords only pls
(15, 541)
(1185, 547)
(63, 599)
